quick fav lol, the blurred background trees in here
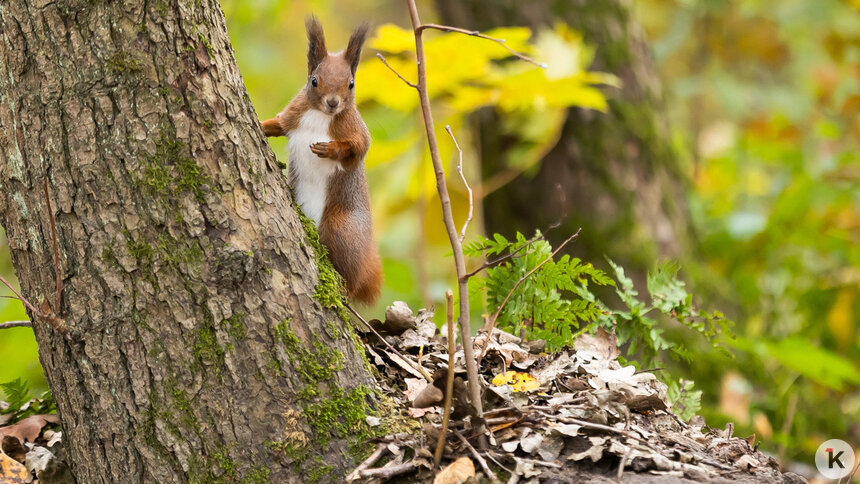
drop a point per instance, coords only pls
(722, 135)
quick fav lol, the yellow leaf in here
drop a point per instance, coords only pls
(519, 381)
(504, 378)
(393, 39)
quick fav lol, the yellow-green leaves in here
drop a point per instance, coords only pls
(468, 72)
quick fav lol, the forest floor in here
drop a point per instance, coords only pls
(576, 415)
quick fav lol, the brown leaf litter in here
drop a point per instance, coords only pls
(577, 415)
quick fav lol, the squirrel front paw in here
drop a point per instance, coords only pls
(325, 150)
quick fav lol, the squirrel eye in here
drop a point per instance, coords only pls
(314, 81)
(352, 83)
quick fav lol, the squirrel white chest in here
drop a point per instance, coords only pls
(311, 173)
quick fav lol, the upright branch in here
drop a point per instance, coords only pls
(448, 217)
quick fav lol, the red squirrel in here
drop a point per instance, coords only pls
(327, 144)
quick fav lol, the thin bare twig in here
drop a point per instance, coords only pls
(449, 382)
(463, 176)
(477, 456)
(354, 475)
(16, 324)
(851, 477)
(56, 248)
(417, 368)
(19, 296)
(388, 472)
(382, 58)
(492, 321)
(448, 218)
(475, 33)
(509, 255)
(540, 236)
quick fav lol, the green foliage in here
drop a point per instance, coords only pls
(635, 326)
(547, 305)
(22, 403)
(555, 303)
(17, 394)
(685, 401)
(768, 117)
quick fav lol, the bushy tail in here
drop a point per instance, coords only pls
(368, 288)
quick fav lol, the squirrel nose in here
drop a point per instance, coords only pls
(332, 102)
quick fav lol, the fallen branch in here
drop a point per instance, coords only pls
(388, 472)
(16, 324)
(477, 457)
(417, 368)
(354, 475)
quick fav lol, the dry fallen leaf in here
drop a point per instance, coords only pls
(414, 387)
(12, 472)
(456, 472)
(602, 344)
(519, 381)
(29, 428)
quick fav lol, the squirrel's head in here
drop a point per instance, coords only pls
(331, 77)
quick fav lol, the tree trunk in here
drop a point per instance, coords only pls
(620, 175)
(208, 342)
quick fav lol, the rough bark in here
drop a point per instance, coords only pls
(205, 347)
(621, 177)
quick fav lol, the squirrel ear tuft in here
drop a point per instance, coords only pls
(353, 49)
(316, 43)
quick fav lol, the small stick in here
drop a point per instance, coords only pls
(449, 382)
(382, 58)
(540, 463)
(19, 296)
(475, 33)
(468, 188)
(539, 236)
(380, 449)
(490, 455)
(388, 472)
(477, 457)
(510, 255)
(851, 477)
(56, 248)
(417, 368)
(621, 464)
(16, 324)
(491, 323)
